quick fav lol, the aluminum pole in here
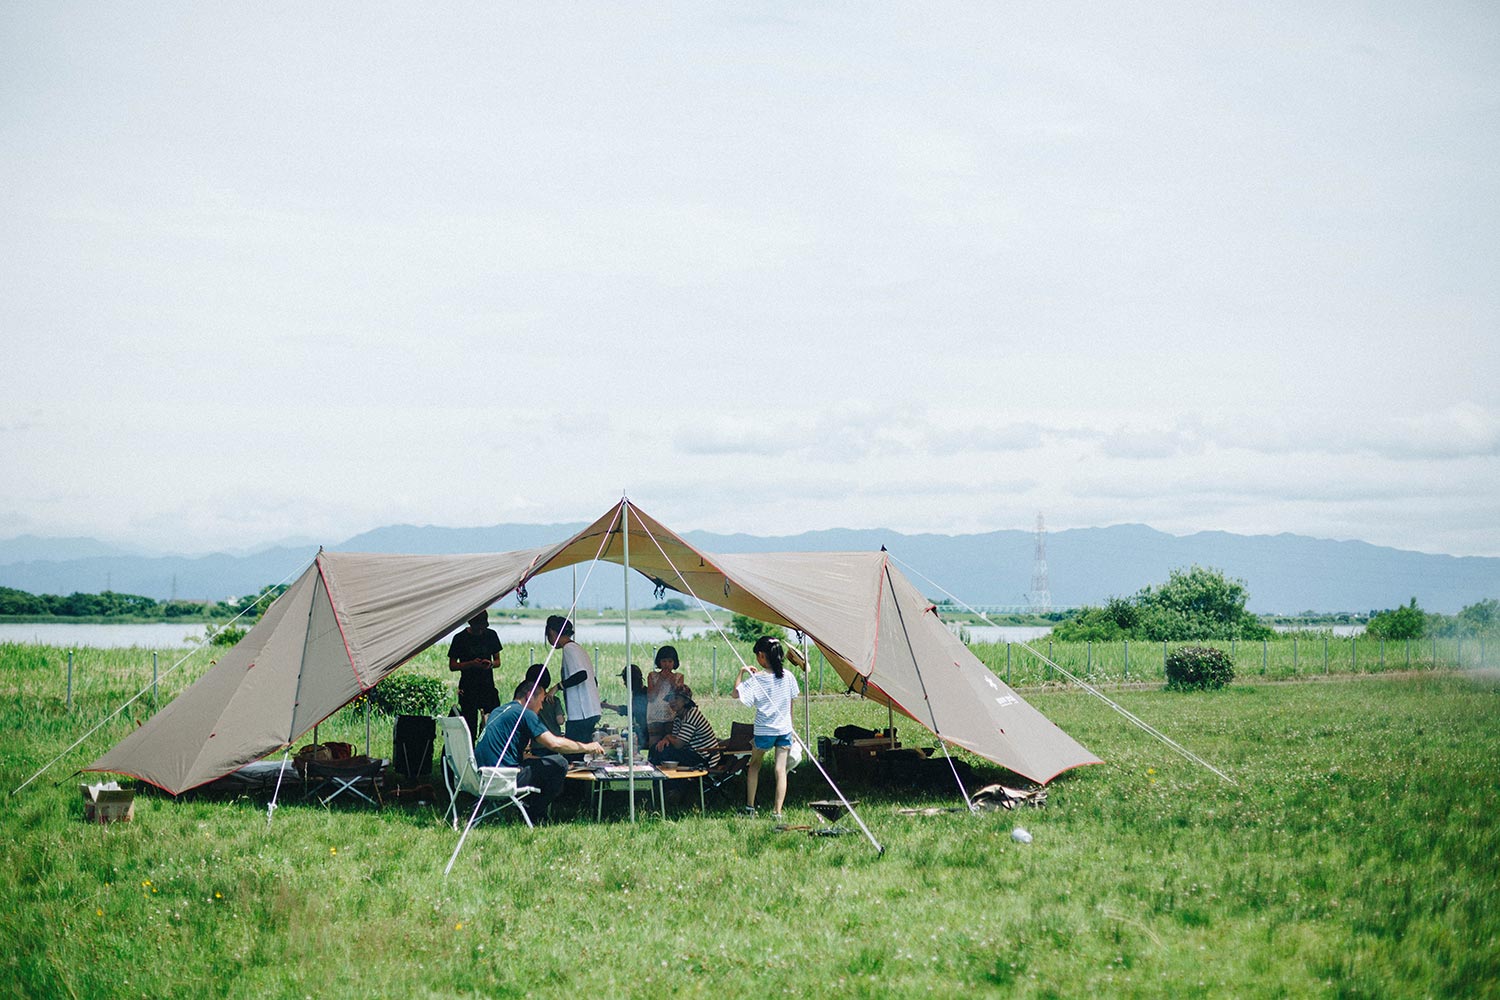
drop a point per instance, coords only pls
(806, 700)
(630, 700)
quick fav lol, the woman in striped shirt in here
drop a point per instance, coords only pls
(691, 740)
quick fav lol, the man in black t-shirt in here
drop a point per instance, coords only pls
(475, 653)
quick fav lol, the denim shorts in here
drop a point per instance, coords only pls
(767, 742)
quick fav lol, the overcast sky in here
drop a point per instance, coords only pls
(303, 270)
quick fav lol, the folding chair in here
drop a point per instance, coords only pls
(463, 775)
(734, 757)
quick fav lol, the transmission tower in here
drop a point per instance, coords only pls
(1040, 596)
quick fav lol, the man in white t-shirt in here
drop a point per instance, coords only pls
(580, 688)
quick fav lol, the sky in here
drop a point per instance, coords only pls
(297, 271)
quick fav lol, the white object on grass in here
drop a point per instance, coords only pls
(1020, 836)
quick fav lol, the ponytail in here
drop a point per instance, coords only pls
(775, 656)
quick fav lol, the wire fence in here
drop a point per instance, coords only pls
(1283, 658)
(81, 678)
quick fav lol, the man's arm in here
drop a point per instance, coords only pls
(562, 744)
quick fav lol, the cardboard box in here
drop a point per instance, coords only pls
(108, 803)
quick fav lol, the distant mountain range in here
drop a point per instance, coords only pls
(1285, 573)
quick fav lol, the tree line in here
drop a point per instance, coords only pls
(1199, 604)
(111, 604)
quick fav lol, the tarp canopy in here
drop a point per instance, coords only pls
(351, 618)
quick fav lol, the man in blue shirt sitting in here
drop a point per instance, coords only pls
(510, 732)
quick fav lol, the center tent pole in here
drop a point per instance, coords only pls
(806, 698)
(629, 688)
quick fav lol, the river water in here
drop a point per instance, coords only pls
(172, 636)
(514, 635)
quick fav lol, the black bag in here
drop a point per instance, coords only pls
(850, 733)
(412, 744)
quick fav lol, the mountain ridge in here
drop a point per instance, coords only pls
(1284, 572)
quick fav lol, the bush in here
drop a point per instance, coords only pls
(747, 629)
(1405, 622)
(408, 694)
(1198, 668)
(226, 635)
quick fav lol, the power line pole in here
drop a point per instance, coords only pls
(1040, 597)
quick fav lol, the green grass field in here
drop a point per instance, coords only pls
(1355, 857)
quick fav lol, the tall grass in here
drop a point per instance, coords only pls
(1355, 857)
(1285, 658)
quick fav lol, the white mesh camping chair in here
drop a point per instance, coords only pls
(461, 774)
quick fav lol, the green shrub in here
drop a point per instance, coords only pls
(1405, 622)
(1198, 668)
(747, 629)
(227, 635)
(408, 694)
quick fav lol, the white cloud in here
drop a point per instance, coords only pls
(777, 273)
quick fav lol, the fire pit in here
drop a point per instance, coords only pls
(830, 811)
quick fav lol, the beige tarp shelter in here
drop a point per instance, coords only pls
(350, 619)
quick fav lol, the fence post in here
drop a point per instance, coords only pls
(715, 660)
(1434, 653)
(1127, 659)
(1294, 656)
(1325, 655)
(1382, 655)
(153, 681)
(822, 662)
(1459, 653)
(1353, 656)
(1090, 672)
(1264, 649)
(1164, 657)
(1408, 652)
(1007, 663)
(70, 680)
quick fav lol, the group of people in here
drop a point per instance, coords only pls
(508, 734)
(668, 722)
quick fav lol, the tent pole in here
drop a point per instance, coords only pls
(806, 699)
(629, 689)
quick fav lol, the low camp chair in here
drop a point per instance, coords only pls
(734, 757)
(463, 776)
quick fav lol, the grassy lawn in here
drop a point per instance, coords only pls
(1356, 857)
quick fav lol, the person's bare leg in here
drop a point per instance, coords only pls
(752, 777)
(781, 757)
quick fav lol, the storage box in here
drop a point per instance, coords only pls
(108, 803)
